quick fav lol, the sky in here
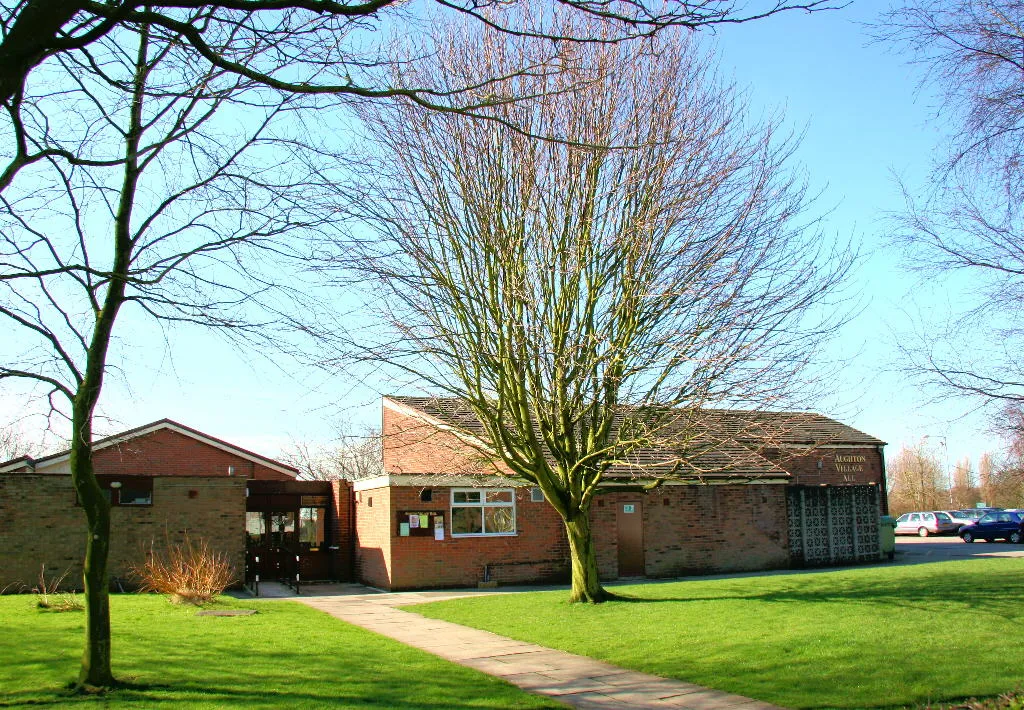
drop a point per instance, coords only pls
(865, 122)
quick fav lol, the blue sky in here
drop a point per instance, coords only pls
(865, 120)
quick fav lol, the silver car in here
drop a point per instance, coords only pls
(935, 522)
(961, 517)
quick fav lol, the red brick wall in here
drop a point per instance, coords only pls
(373, 537)
(41, 524)
(538, 551)
(838, 466)
(412, 446)
(343, 532)
(702, 529)
(167, 453)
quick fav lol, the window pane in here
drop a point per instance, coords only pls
(499, 496)
(466, 521)
(466, 497)
(255, 527)
(134, 496)
(311, 526)
(499, 520)
(282, 529)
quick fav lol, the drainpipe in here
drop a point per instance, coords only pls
(883, 484)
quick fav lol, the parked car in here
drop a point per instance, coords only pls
(1001, 525)
(961, 518)
(935, 522)
(975, 513)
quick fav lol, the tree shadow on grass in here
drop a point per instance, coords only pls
(996, 594)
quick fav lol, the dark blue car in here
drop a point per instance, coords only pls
(1000, 525)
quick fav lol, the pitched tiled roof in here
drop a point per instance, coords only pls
(719, 443)
(26, 464)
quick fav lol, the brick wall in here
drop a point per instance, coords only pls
(704, 529)
(838, 466)
(701, 529)
(41, 524)
(413, 446)
(373, 537)
(165, 452)
(537, 552)
(343, 529)
(687, 529)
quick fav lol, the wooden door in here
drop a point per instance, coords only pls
(629, 521)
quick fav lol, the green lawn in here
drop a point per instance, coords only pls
(865, 637)
(286, 656)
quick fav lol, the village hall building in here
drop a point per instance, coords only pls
(781, 490)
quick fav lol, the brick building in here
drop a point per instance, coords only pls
(773, 490)
(165, 481)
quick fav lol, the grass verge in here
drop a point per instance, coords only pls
(867, 637)
(286, 656)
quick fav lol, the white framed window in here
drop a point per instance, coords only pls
(536, 495)
(483, 511)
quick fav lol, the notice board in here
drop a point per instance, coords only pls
(420, 523)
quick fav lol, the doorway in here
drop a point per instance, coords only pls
(271, 543)
(629, 521)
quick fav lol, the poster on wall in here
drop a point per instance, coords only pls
(420, 523)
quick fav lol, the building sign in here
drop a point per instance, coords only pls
(628, 508)
(850, 463)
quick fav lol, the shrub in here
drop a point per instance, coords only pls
(187, 572)
(50, 596)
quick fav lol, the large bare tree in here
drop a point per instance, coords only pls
(164, 189)
(354, 454)
(916, 480)
(966, 231)
(330, 40)
(585, 296)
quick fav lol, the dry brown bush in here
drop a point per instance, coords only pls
(49, 595)
(189, 572)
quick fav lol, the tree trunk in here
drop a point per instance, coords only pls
(96, 669)
(586, 584)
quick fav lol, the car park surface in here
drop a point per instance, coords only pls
(918, 550)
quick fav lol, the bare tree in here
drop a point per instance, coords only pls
(575, 294)
(1005, 481)
(14, 444)
(964, 492)
(968, 229)
(915, 479)
(985, 470)
(156, 198)
(355, 455)
(328, 39)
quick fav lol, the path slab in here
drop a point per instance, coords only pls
(578, 681)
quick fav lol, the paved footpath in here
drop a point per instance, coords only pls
(576, 680)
